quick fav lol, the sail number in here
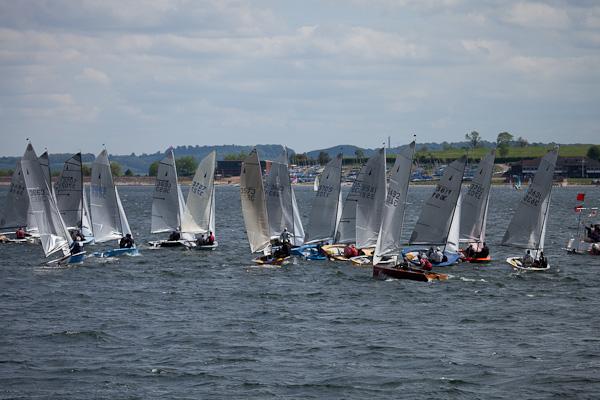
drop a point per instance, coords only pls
(248, 192)
(162, 186)
(364, 190)
(198, 188)
(273, 189)
(475, 190)
(324, 190)
(66, 183)
(392, 198)
(17, 189)
(37, 194)
(533, 197)
(441, 193)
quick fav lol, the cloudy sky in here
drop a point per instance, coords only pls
(142, 75)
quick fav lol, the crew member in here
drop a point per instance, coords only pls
(126, 242)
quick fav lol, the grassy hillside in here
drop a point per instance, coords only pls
(567, 150)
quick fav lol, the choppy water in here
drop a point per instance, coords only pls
(190, 324)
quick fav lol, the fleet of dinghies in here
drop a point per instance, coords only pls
(365, 228)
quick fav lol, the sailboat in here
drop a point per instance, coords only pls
(325, 213)
(200, 204)
(16, 209)
(168, 208)
(474, 209)
(109, 222)
(254, 210)
(282, 208)
(69, 195)
(54, 235)
(363, 210)
(439, 222)
(586, 239)
(389, 242)
(527, 228)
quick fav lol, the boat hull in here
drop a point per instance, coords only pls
(267, 260)
(516, 263)
(412, 253)
(383, 272)
(172, 243)
(132, 251)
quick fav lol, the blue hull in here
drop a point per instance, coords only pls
(308, 251)
(452, 258)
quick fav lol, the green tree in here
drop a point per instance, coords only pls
(186, 166)
(85, 169)
(324, 158)
(115, 168)
(235, 157)
(522, 142)
(473, 139)
(594, 152)
(6, 172)
(360, 154)
(153, 169)
(503, 143)
(128, 172)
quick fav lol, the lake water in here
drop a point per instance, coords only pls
(175, 324)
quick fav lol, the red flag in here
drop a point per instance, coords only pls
(578, 208)
(580, 196)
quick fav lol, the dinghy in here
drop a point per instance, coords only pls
(282, 209)
(325, 213)
(168, 208)
(109, 222)
(439, 222)
(363, 209)
(586, 239)
(527, 228)
(54, 235)
(474, 209)
(69, 195)
(200, 204)
(254, 211)
(386, 258)
(16, 212)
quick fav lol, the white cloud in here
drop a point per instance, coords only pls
(94, 75)
(538, 15)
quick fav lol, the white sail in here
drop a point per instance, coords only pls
(200, 200)
(125, 229)
(526, 228)
(106, 222)
(326, 207)
(69, 192)
(254, 208)
(371, 199)
(54, 235)
(166, 204)
(476, 200)
(346, 230)
(281, 202)
(316, 183)
(16, 206)
(433, 225)
(453, 241)
(389, 239)
(45, 164)
(86, 224)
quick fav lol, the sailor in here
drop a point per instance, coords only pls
(20, 233)
(528, 259)
(595, 250)
(425, 264)
(76, 247)
(348, 251)
(211, 238)
(543, 263)
(430, 252)
(470, 251)
(485, 251)
(285, 236)
(126, 242)
(437, 256)
(174, 236)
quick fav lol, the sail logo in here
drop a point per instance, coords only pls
(475, 191)
(324, 190)
(441, 193)
(37, 194)
(198, 188)
(533, 197)
(248, 192)
(98, 191)
(162, 186)
(392, 198)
